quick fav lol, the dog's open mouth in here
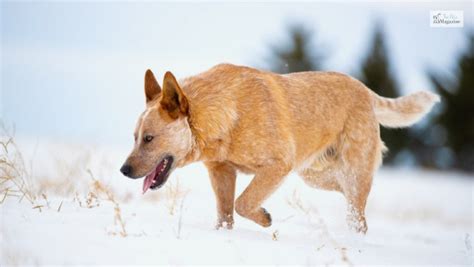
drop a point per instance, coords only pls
(158, 177)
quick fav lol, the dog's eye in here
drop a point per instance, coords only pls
(147, 138)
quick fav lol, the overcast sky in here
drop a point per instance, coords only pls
(74, 71)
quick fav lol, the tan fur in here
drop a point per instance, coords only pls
(323, 125)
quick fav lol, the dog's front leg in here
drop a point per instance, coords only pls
(223, 177)
(265, 182)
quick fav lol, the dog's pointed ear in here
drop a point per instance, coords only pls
(173, 100)
(152, 88)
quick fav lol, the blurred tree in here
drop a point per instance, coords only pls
(377, 75)
(298, 54)
(456, 119)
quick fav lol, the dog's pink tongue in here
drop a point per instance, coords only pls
(148, 181)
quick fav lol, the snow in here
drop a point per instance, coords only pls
(414, 217)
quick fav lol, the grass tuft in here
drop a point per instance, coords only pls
(99, 189)
(173, 194)
(14, 176)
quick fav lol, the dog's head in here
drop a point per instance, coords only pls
(163, 136)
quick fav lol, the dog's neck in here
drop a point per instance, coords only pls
(210, 118)
(203, 149)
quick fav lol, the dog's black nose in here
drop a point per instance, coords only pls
(126, 170)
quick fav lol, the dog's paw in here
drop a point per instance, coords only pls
(357, 223)
(266, 220)
(227, 223)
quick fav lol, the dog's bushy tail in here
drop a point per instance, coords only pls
(403, 111)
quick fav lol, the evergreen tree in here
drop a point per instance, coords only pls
(377, 75)
(298, 54)
(457, 116)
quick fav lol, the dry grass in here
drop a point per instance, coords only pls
(69, 175)
(275, 235)
(14, 176)
(173, 193)
(98, 190)
(180, 220)
(15, 181)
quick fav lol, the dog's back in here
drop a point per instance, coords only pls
(262, 113)
(299, 114)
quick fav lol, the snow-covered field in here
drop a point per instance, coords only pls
(415, 217)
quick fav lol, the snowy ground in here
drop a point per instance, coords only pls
(415, 217)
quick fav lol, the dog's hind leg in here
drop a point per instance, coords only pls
(361, 154)
(266, 181)
(223, 177)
